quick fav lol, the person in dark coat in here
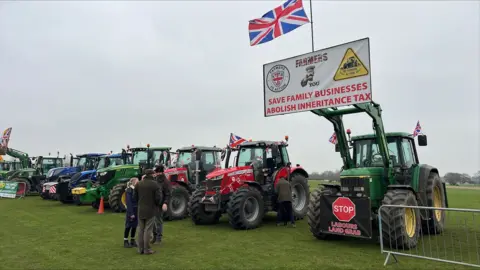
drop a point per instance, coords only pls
(131, 218)
(284, 200)
(165, 199)
(147, 193)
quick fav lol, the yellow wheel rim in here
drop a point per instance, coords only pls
(437, 202)
(124, 199)
(410, 224)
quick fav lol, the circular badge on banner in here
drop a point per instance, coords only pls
(278, 78)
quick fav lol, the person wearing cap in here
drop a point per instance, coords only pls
(165, 193)
(309, 76)
(147, 194)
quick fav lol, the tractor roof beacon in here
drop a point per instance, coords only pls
(193, 164)
(384, 170)
(246, 191)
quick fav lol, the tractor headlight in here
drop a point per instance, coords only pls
(344, 189)
(102, 173)
(359, 189)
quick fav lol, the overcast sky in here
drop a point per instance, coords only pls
(94, 77)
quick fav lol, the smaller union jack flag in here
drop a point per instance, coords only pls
(418, 129)
(333, 138)
(235, 140)
(279, 21)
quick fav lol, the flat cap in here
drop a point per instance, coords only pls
(310, 68)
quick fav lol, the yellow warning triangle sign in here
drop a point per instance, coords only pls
(350, 67)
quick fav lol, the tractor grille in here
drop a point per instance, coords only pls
(173, 177)
(74, 179)
(103, 179)
(212, 184)
(351, 186)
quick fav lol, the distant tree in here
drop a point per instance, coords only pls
(476, 178)
(452, 178)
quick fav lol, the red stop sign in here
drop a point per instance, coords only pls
(343, 209)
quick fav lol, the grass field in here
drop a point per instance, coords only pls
(38, 234)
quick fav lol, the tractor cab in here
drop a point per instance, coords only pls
(44, 164)
(193, 163)
(264, 158)
(87, 162)
(117, 159)
(149, 157)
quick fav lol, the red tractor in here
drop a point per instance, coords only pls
(246, 191)
(191, 168)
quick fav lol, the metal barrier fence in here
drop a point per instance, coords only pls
(455, 240)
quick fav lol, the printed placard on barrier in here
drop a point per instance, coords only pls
(331, 77)
(349, 216)
(8, 189)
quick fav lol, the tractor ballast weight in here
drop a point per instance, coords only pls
(384, 170)
(246, 191)
(193, 165)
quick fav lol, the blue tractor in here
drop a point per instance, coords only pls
(80, 179)
(80, 163)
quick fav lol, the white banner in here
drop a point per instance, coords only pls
(331, 77)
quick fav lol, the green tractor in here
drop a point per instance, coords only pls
(384, 170)
(8, 167)
(112, 181)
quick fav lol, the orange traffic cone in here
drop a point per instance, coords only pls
(100, 207)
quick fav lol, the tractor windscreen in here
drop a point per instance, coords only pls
(184, 158)
(116, 161)
(81, 161)
(139, 157)
(157, 154)
(248, 155)
(366, 153)
(50, 163)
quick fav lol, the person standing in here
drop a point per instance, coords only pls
(131, 218)
(164, 184)
(284, 200)
(147, 193)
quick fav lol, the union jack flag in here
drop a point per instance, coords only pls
(333, 138)
(236, 140)
(418, 129)
(5, 137)
(277, 22)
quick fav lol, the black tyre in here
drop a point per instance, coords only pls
(435, 222)
(196, 210)
(117, 198)
(178, 205)
(314, 215)
(300, 195)
(400, 226)
(245, 208)
(76, 200)
(96, 204)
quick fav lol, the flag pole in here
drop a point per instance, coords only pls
(311, 25)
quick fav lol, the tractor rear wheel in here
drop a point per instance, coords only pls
(196, 210)
(400, 226)
(246, 209)
(300, 195)
(435, 222)
(117, 198)
(314, 215)
(177, 207)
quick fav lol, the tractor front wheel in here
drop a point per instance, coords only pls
(177, 207)
(300, 195)
(246, 209)
(117, 198)
(400, 226)
(196, 210)
(314, 215)
(435, 222)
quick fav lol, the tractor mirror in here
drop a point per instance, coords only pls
(422, 140)
(337, 147)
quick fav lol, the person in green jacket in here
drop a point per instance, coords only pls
(284, 200)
